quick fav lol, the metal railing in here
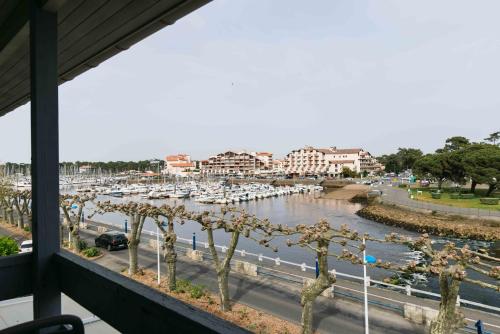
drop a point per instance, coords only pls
(408, 290)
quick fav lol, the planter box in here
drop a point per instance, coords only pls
(489, 201)
(467, 196)
(436, 195)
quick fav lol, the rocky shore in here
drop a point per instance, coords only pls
(440, 225)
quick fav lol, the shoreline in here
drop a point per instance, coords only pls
(439, 225)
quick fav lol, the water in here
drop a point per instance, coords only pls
(306, 209)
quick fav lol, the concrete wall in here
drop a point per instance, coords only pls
(245, 268)
(194, 255)
(419, 314)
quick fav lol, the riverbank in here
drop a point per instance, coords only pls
(347, 192)
(435, 224)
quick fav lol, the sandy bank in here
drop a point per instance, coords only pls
(346, 193)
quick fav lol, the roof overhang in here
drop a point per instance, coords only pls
(89, 32)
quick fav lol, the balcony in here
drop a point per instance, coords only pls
(29, 50)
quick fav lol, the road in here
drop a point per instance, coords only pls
(265, 294)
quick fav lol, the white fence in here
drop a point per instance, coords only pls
(408, 290)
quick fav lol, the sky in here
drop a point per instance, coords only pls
(277, 75)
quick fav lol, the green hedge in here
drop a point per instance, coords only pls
(489, 201)
(455, 196)
(8, 246)
(402, 185)
(467, 196)
(436, 195)
(91, 252)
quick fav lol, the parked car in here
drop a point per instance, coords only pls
(112, 240)
(26, 246)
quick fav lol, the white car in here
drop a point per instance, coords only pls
(27, 246)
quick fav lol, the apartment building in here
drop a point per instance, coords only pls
(232, 163)
(329, 161)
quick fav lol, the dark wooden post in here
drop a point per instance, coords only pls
(45, 159)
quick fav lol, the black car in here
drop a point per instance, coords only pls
(112, 240)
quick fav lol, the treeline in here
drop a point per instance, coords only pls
(459, 161)
(111, 167)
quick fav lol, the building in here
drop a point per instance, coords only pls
(179, 165)
(232, 163)
(266, 158)
(310, 161)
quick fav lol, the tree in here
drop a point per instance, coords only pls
(172, 214)
(318, 238)
(237, 223)
(482, 164)
(72, 208)
(8, 246)
(404, 159)
(22, 203)
(137, 213)
(494, 138)
(454, 144)
(407, 157)
(434, 165)
(347, 172)
(450, 265)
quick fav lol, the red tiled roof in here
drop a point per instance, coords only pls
(347, 150)
(265, 154)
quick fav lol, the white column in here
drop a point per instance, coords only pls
(158, 251)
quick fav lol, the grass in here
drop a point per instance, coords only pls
(445, 199)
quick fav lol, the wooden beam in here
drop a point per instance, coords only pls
(45, 160)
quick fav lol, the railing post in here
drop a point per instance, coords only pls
(317, 268)
(194, 240)
(44, 159)
(126, 227)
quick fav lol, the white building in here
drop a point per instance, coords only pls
(329, 161)
(179, 165)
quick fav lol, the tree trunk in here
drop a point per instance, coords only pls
(223, 281)
(75, 239)
(473, 186)
(448, 319)
(11, 217)
(491, 188)
(133, 267)
(312, 291)
(171, 258)
(20, 222)
(440, 183)
(307, 316)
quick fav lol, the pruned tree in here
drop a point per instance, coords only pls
(237, 223)
(7, 203)
(318, 238)
(21, 201)
(450, 265)
(171, 214)
(72, 208)
(137, 213)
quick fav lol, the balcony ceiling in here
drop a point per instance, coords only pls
(89, 32)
